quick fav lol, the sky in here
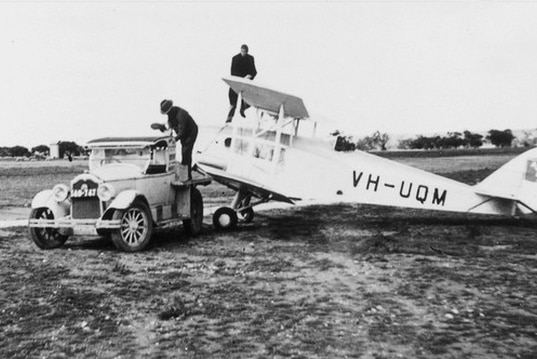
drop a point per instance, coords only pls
(79, 70)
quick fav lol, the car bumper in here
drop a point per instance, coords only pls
(76, 226)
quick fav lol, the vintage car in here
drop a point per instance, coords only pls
(133, 186)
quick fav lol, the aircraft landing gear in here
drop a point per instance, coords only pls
(225, 218)
(241, 207)
(247, 214)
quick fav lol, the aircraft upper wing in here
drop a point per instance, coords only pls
(267, 99)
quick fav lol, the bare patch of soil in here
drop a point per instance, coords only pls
(314, 282)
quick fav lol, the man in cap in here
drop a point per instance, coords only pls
(185, 128)
(242, 65)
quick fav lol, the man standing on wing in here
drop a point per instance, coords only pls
(242, 65)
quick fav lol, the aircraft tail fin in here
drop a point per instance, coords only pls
(515, 180)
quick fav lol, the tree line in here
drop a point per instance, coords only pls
(66, 148)
(376, 141)
(452, 140)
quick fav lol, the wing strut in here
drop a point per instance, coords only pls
(235, 131)
(278, 142)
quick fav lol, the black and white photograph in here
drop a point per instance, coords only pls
(268, 179)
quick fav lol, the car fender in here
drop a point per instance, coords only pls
(123, 201)
(46, 199)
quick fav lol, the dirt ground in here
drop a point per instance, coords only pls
(338, 281)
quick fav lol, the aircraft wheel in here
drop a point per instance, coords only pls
(225, 218)
(194, 223)
(247, 214)
(136, 228)
(46, 238)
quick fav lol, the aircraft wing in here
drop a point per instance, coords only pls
(237, 182)
(266, 98)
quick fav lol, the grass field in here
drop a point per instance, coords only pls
(338, 281)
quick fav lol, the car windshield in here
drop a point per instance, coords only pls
(137, 156)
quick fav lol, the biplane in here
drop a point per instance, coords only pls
(277, 157)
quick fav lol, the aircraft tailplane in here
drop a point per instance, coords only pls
(515, 180)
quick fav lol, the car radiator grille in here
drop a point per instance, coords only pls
(86, 208)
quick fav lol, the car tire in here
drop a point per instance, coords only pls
(225, 218)
(46, 238)
(136, 228)
(194, 224)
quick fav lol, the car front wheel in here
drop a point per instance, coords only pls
(136, 228)
(43, 237)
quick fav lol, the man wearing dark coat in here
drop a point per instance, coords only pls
(185, 128)
(242, 65)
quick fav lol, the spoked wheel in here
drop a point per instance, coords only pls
(225, 218)
(247, 214)
(194, 223)
(136, 228)
(46, 238)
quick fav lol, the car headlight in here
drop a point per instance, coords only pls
(105, 192)
(60, 192)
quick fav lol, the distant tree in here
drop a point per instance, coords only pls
(366, 143)
(19, 151)
(526, 140)
(68, 147)
(501, 138)
(434, 142)
(453, 140)
(43, 149)
(4, 152)
(473, 140)
(404, 144)
(377, 141)
(382, 140)
(425, 143)
(419, 143)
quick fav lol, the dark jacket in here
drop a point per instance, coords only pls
(243, 65)
(182, 123)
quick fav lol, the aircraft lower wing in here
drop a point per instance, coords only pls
(239, 183)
